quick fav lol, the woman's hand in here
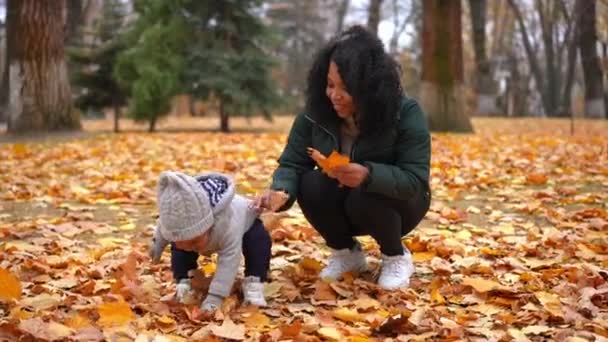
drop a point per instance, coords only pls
(351, 175)
(270, 200)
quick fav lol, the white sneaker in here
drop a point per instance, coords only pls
(396, 271)
(342, 261)
(253, 291)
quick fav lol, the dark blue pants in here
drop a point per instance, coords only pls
(256, 251)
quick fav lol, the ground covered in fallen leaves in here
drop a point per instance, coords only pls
(515, 246)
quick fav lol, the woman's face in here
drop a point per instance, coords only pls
(337, 94)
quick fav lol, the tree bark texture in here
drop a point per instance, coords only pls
(442, 90)
(39, 89)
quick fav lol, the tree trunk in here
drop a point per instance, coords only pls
(442, 69)
(594, 90)
(486, 95)
(39, 89)
(224, 118)
(152, 126)
(116, 107)
(373, 15)
(572, 44)
(341, 14)
(4, 77)
(74, 20)
(605, 58)
(547, 21)
(537, 72)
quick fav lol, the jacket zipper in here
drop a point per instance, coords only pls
(333, 137)
(352, 150)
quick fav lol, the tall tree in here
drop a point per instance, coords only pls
(374, 15)
(74, 18)
(301, 29)
(151, 68)
(402, 17)
(342, 9)
(587, 39)
(39, 88)
(442, 69)
(93, 64)
(3, 70)
(231, 61)
(485, 86)
(211, 49)
(549, 73)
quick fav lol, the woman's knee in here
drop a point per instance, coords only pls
(365, 210)
(316, 190)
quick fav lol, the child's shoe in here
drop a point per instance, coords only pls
(253, 291)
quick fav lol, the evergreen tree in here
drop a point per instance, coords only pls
(151, 67)
(205, 48)
(230, 58)
(94, 62)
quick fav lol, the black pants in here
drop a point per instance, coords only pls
(256, 251)
(340, 213)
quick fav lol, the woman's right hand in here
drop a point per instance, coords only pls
(270, 200)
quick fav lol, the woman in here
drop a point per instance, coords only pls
(355, 105)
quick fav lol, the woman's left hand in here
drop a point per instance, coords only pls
(351, 175)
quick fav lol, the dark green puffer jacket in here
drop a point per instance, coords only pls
(398, 159)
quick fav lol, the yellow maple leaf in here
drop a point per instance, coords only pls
(77, 321)
(115, 313)
(423, 256)
(481, 285)
(348, 315)
(330, 333)
(311, 264)
(436, 297)
(10, 287)
(256, 320)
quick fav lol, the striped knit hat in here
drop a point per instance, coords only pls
(187, 205)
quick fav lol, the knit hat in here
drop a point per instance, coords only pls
(184, 207)
(219, 189)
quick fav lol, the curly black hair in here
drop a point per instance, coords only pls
(371, 77)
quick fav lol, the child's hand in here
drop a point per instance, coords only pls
(212, 302)
(270, 200)
(158, 245)
(182, 290)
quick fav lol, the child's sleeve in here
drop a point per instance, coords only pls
(228, 261)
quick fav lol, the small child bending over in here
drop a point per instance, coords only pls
(202, 215)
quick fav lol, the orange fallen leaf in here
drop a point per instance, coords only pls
(550, 302)
(323, 291)
(256, 320)
(330, 333)
(291, 330)
(436, 284)
(311, 264)
(41, 330)
(77, 321)
(536, 179)
(481, 285)
(115, 313)
(423, 256)
(10, 287)
(229, 330)
(348, 315)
